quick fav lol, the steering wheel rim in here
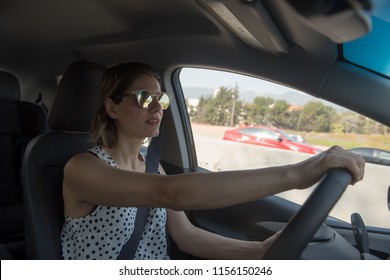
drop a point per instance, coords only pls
(292, 240)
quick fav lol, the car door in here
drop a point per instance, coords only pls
(200, 149)
(262, 137)
(270, 137)
(383, 156)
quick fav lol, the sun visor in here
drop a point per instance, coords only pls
(341, 21)
(251, 22)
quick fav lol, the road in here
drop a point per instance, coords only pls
(227, 155)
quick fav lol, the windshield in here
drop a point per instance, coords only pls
(285, 135)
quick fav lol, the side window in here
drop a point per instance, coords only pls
(270, 134)
(222, 106)
(384, 155)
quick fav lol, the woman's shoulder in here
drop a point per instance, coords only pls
(83, 157)
(97, 151)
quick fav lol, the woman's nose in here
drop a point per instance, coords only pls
(155, 105)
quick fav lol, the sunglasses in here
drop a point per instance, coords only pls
(145, 98)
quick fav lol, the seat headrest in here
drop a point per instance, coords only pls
(9, 86)
(33, 118)
(77, 97)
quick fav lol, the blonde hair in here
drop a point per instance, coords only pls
(116, 81)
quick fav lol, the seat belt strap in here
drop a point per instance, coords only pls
(129, 249)
(152, 163)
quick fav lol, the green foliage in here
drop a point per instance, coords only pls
(259, 110)
(315, 116)
(268, 111)
(224, 108)
(219, 109)
(279, 113)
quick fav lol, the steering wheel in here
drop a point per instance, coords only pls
(300, 229)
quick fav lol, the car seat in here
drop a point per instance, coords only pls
(45, 157)
(20, 121)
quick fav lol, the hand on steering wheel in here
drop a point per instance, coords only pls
(300, 229)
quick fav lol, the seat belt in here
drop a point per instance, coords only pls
(152, 164)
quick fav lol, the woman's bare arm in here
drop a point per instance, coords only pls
(201, 243)
(89, 180)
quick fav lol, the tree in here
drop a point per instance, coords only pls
(259, 111)
(219, 108)
(315, 116)
(279, 113)
(292, 121)
(350, 122)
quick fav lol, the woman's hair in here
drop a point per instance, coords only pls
(116, 81)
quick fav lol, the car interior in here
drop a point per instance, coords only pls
(54, 53)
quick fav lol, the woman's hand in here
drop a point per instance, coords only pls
(266, 244)
(338, 157)
(314, 168)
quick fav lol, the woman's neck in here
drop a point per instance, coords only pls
(127, 155)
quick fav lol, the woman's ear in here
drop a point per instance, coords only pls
(110, 108)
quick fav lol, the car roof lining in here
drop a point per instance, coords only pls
(188, 35)
(116, 26)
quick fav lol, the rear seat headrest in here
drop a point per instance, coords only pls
(77, 97)
(18, 117)
(9, 86)
(33, 118)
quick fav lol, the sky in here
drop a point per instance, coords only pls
(191, 77)
(203, 78)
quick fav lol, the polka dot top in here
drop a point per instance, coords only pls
(103, 233)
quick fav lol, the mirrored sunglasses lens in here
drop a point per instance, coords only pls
(164, 100)
(144, 98)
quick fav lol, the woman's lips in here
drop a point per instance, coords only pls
(153, 121)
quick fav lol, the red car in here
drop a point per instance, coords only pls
(267, 137)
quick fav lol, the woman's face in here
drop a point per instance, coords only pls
(131, 120)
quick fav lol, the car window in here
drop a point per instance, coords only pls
(218, 102)
(384, 155)
(365, 152)
(260, 133)
(270, 134)
(249, 131)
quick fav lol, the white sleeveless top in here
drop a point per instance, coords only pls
(102, 233)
